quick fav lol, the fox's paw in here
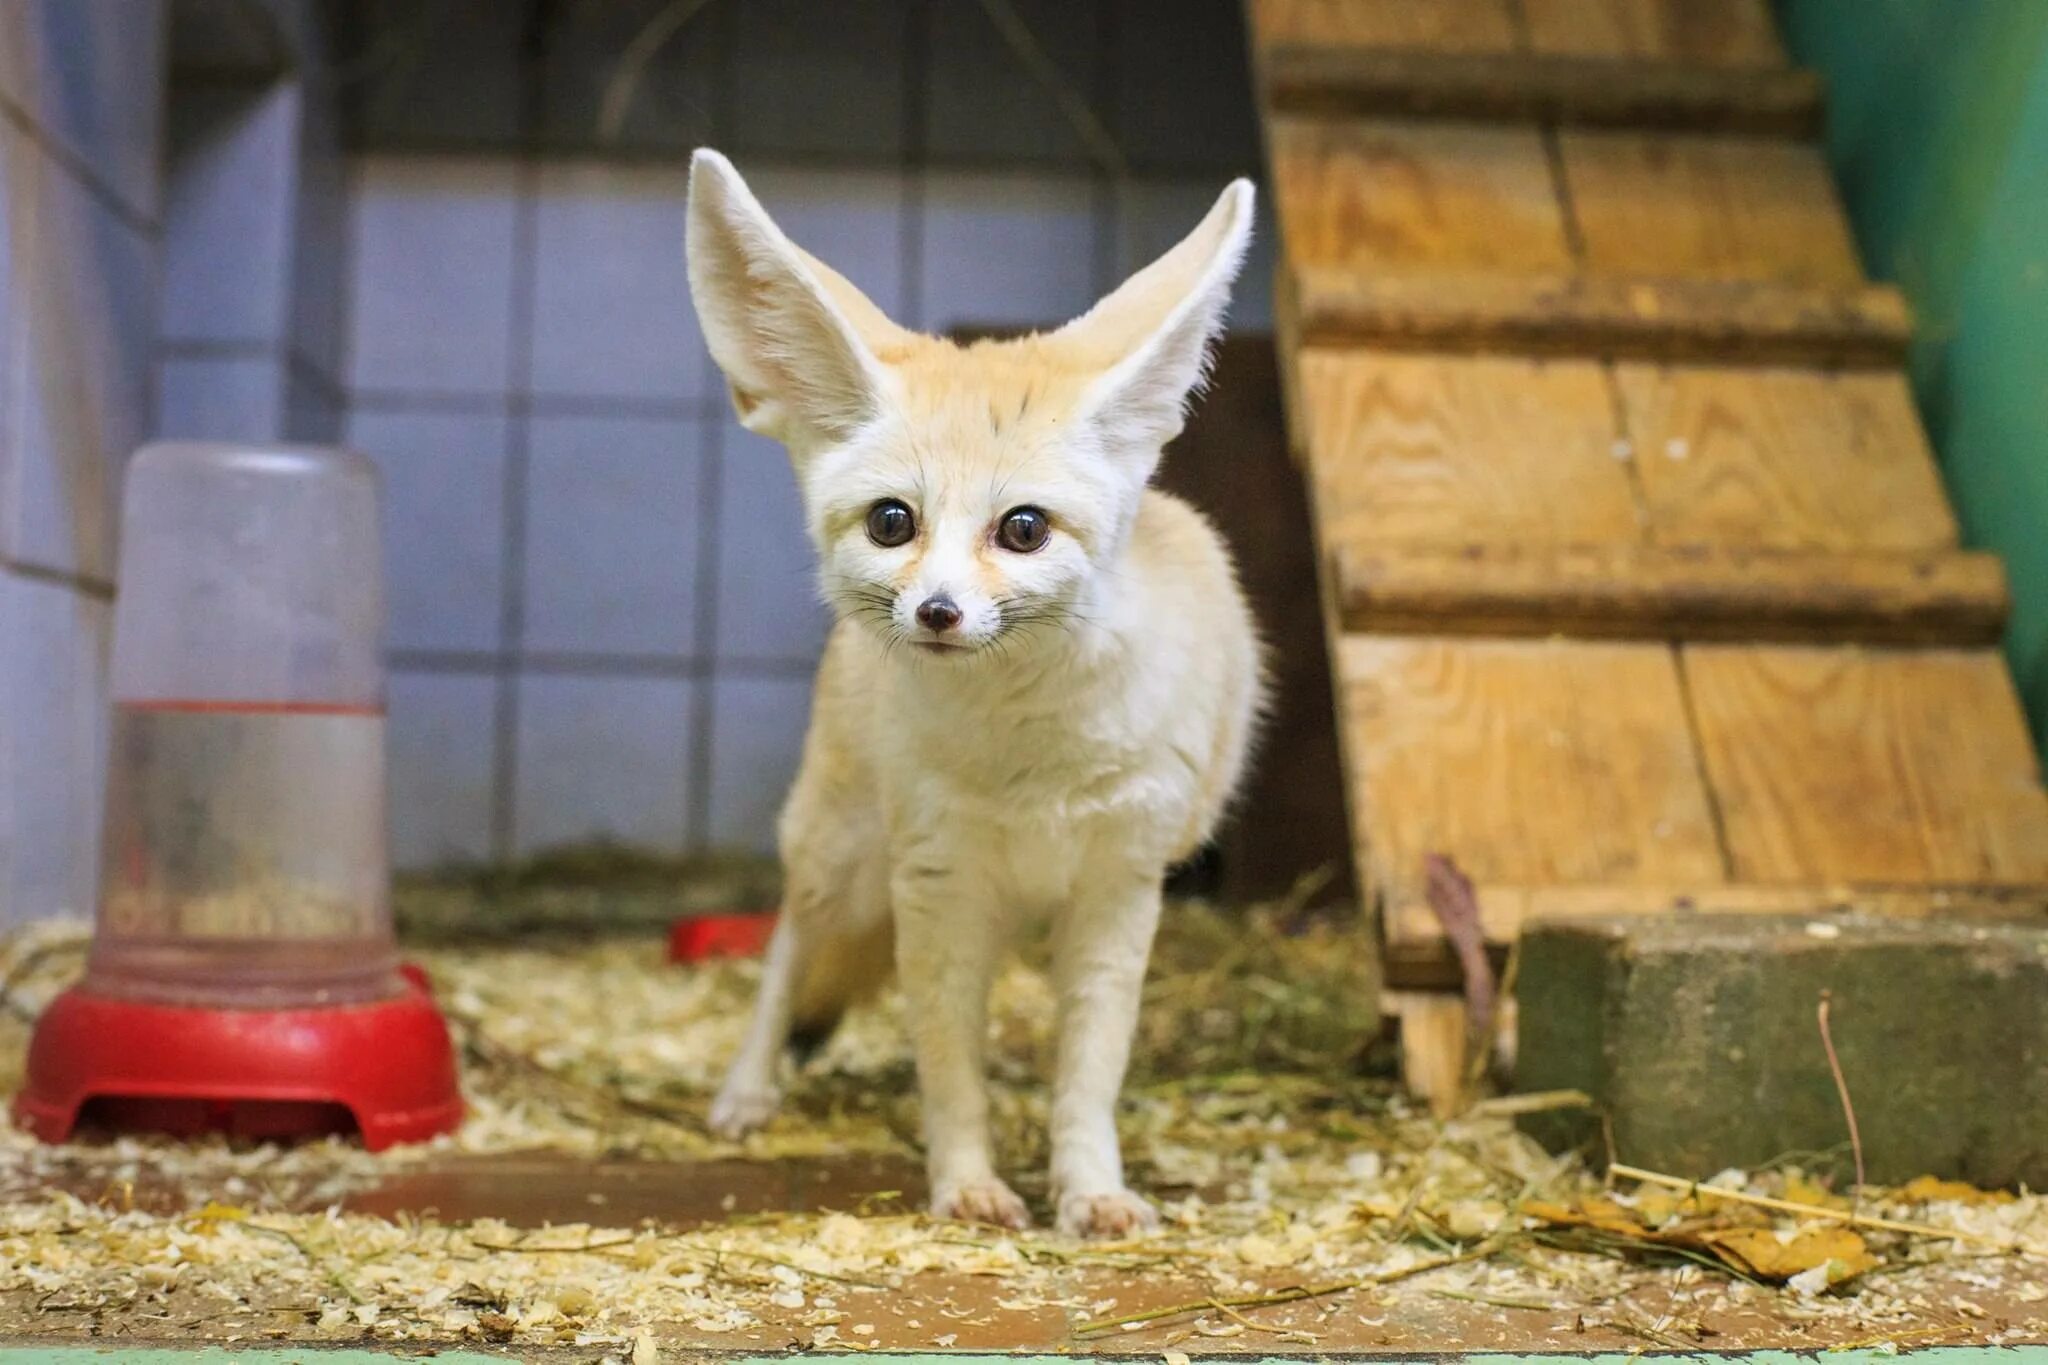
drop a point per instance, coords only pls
(982, 1201)
(740, 1109)
(1106, 1216)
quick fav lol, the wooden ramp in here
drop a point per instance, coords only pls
(1643, 588)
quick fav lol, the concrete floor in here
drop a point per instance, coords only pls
(1704, 1316)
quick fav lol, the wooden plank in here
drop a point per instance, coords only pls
(1647, 592)
(1381, 196)
(1788, 459)
(1287, 341)
(1434, 1047)
(1711, 32)
(1869, 766)
(1419, 955)
(1409, 449)
(1310, 78)
(1531, 763)
(1721, 321)
(1438, 26)
(1719, 207)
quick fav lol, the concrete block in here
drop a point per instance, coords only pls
(1698, 1036)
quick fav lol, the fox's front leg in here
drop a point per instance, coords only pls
(948, 937)
(1100, 948)
(751, 1091)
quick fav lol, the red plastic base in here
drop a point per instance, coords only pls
(388, 1066)
(701, 937)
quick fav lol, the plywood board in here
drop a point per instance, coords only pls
(1435, 25)
(1532, 763)
(1378, 82)
(1409, 449)
(1382, 195)
(1713, 32)
(1638, 592)
(1684, 206)
(1869, 766)
(1784, 459)
(1749, 322)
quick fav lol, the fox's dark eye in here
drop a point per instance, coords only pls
(890, 524)
(1024, 529)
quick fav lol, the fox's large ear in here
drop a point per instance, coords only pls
(1152, 335)
(797, 342)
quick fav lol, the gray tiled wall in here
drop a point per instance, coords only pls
(80, 104)
(603, 622)
(255, 211)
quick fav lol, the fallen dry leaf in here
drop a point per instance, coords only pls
(1760, 1252)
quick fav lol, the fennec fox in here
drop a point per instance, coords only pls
(1039, 691)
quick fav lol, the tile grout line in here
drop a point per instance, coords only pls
(540, 404)
(594, 664)
(1108, 188)
(518, 447)
(703, 719)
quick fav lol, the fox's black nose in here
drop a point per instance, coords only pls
(938, 612)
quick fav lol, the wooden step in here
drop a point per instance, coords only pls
(1531, 763)
(1735, 33)
(1315, 79)
(1396, 197)
(1722, 321)
(1452, 451)
(1643, 772)
(1673, 593)
(1868, 766)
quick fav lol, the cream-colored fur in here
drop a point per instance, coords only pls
(1073, 728)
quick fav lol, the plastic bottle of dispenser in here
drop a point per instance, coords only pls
(244, 849)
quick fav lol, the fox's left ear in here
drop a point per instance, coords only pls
(798, 343)
(1152, 336)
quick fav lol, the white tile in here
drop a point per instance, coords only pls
(1006, 250)
(612, 527)
(209, 398)
(230, 182)
(87, 303)
(612, 314)
(603, 758)
(320, 247)
(19, 172)
(982, 104)
(768, 602)
(444, 524)
(1153, 215)
(52, 748)
(442, 766)
(851, 220)
(819, 79)
(91, 74)
(431, 291)
(757, 739)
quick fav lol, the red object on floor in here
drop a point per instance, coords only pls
(702, 937)
(385, 1069)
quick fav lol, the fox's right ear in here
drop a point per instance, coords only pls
(797, 342)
